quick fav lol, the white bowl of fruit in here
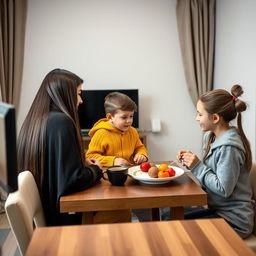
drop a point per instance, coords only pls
(150, 173)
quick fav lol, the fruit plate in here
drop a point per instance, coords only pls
(144, 178)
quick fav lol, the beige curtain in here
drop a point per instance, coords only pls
(12, 35)
(196, 27)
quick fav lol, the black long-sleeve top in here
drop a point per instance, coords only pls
(64, 172)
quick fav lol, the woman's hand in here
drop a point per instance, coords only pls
(187, 158)
(93, 161)
(138, 159)
(121, 161)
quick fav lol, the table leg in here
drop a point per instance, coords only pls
(177, 213)
(155, 214)
(87, 218)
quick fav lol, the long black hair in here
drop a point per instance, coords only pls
(58, 91)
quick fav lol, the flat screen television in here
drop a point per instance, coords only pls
(92, 108)
(8, 154)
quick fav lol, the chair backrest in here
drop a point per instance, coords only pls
(253, 184)
(24, 210)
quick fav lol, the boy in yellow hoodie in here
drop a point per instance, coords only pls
(114, 141)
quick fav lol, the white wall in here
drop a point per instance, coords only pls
(116, 44)
(236, 54)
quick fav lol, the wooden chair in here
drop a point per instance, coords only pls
(251, 240)
(24, 210)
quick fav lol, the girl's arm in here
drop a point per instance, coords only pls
(223, 178)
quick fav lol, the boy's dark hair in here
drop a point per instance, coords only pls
(118, 101)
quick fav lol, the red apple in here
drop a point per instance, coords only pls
(145, 166)
(171, 172)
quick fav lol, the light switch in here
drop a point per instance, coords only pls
(156, 125)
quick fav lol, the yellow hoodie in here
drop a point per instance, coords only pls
(108, 143)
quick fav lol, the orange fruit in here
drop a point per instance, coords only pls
(162, 167)
(163, 174)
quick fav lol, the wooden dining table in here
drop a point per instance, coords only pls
(178, 193)
(184, 237)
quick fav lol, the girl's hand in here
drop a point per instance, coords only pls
(121, 161)
(187, 158)
(179, 156)
(138, 159)
(93, 161)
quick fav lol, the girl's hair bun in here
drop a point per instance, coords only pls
(237, 91)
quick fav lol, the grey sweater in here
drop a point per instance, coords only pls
(224, 177)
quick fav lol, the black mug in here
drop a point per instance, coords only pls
(117, 174)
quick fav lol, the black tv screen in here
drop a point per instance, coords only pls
(92, 108)
(8, 154)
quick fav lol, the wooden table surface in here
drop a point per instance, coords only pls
(185, 237)
(180, 192)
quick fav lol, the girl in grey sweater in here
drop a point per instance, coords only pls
(224, 171)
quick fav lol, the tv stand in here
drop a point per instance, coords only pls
(87, 139)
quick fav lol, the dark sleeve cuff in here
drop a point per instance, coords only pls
(96, 171)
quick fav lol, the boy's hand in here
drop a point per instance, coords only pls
(121, 161)
(90, 161)
(138, 159)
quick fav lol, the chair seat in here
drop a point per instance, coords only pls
(24, 210)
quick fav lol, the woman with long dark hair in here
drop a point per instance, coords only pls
(49, 145)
